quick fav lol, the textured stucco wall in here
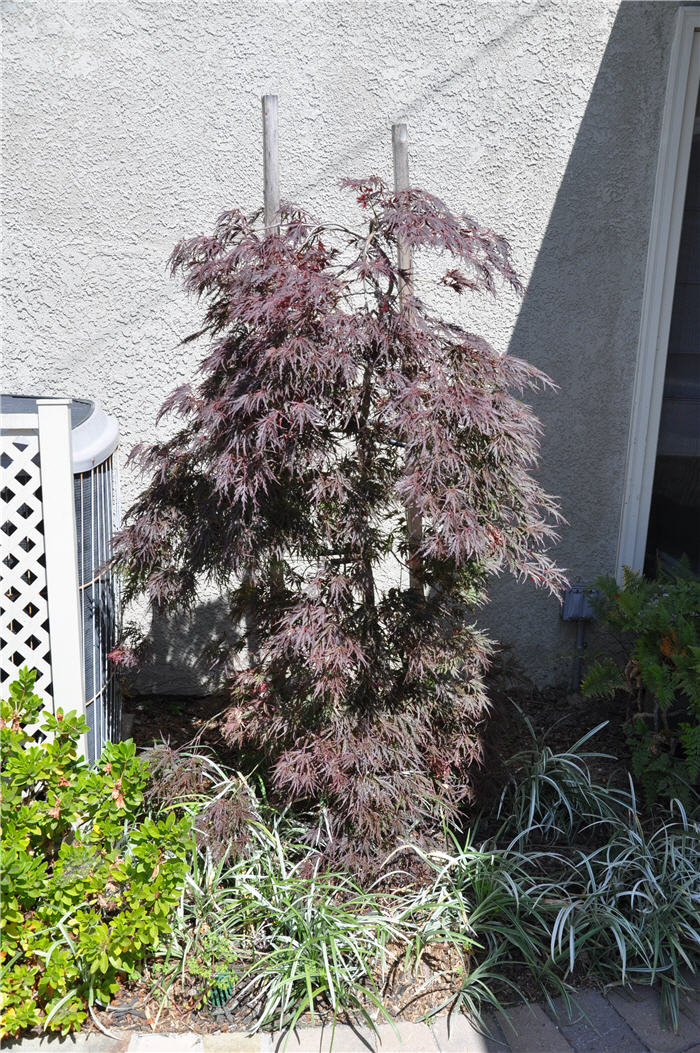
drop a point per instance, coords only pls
(130, 125)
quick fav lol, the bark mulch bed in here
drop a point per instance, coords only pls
(558, 715)
(405, 995)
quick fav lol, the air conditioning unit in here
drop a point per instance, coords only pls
(60, 505)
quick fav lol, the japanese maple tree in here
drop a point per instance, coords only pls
(330, 401)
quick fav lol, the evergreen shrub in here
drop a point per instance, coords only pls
(88, 881)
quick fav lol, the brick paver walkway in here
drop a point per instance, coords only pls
(616, 1023)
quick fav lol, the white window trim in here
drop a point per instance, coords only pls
(657, 302)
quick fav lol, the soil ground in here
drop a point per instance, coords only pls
(405, 997)
(558, 716)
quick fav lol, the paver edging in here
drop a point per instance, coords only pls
(619, 1022)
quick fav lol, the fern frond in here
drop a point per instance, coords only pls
(603, 679)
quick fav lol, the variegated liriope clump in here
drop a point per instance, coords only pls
(330, 401)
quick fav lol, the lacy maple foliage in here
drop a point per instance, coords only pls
(328, 401)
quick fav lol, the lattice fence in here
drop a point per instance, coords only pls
(41, 623)
(25, 638)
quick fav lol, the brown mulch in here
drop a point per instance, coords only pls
(180, 720)
(406, 995)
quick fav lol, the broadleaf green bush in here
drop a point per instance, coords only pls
(89, 881)
(658, 623)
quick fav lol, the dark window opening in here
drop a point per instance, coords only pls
(674, 520)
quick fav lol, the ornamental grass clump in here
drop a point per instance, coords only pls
(551, 796)
(623, 910)
(269, 935)
(266, 931)
(333, 409)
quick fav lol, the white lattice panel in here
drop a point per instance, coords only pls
(25, 618)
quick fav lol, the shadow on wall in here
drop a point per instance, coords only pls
(579, 323)
(177, 661)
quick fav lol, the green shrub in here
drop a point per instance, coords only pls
(89, 881)
(659, 624)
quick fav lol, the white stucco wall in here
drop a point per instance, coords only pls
(128, 125)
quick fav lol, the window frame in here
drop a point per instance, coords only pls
(657, 301)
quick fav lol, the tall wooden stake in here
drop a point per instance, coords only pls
(414, 520)
(271, 199)
(399, 142)
(271, 163)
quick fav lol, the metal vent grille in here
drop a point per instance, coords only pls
(97, 517)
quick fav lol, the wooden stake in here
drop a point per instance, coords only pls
(399, 142)
(271, 201)
(414, 520)
(271, 163)
(271, 198)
